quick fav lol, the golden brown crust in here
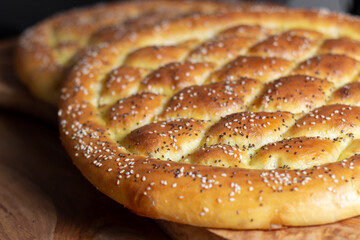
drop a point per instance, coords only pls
(170, 140)
(298, 153)
(345, 46)
(249, 130)
(287, 46)
(133, 112)
(338, 69)
(211, 101)
(330, 121)
(221, 50)
(249, 31)
(260, 68)
(121, 82)
(297, 191)
(219, 155)
(162, 12)
(348, 94)
(299, 93)
(175, 76)
(155, 56)
(45, 51)
(305, 33)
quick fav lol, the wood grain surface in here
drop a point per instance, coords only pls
(43, 196)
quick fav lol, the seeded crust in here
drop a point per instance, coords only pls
(46, 51)
(286, 153)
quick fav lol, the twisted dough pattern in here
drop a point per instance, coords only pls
(263, 105)
(48, 50)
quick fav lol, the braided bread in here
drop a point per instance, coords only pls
(241, 120)
(46, 51)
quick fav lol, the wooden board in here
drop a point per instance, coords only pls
(348, 229)
(43, 196)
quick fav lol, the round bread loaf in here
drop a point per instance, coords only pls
(46, 51)
(241, 120)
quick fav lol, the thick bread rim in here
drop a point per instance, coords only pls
(200, 195)
(36, 62)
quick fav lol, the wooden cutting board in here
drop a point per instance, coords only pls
(43, 196)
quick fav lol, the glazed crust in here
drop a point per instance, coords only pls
(287, 163)
(48, 50)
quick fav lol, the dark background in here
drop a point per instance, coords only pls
(16, 15)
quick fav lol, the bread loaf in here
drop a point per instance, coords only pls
(241, 119)
(48, 50)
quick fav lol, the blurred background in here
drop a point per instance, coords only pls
(16, 15)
